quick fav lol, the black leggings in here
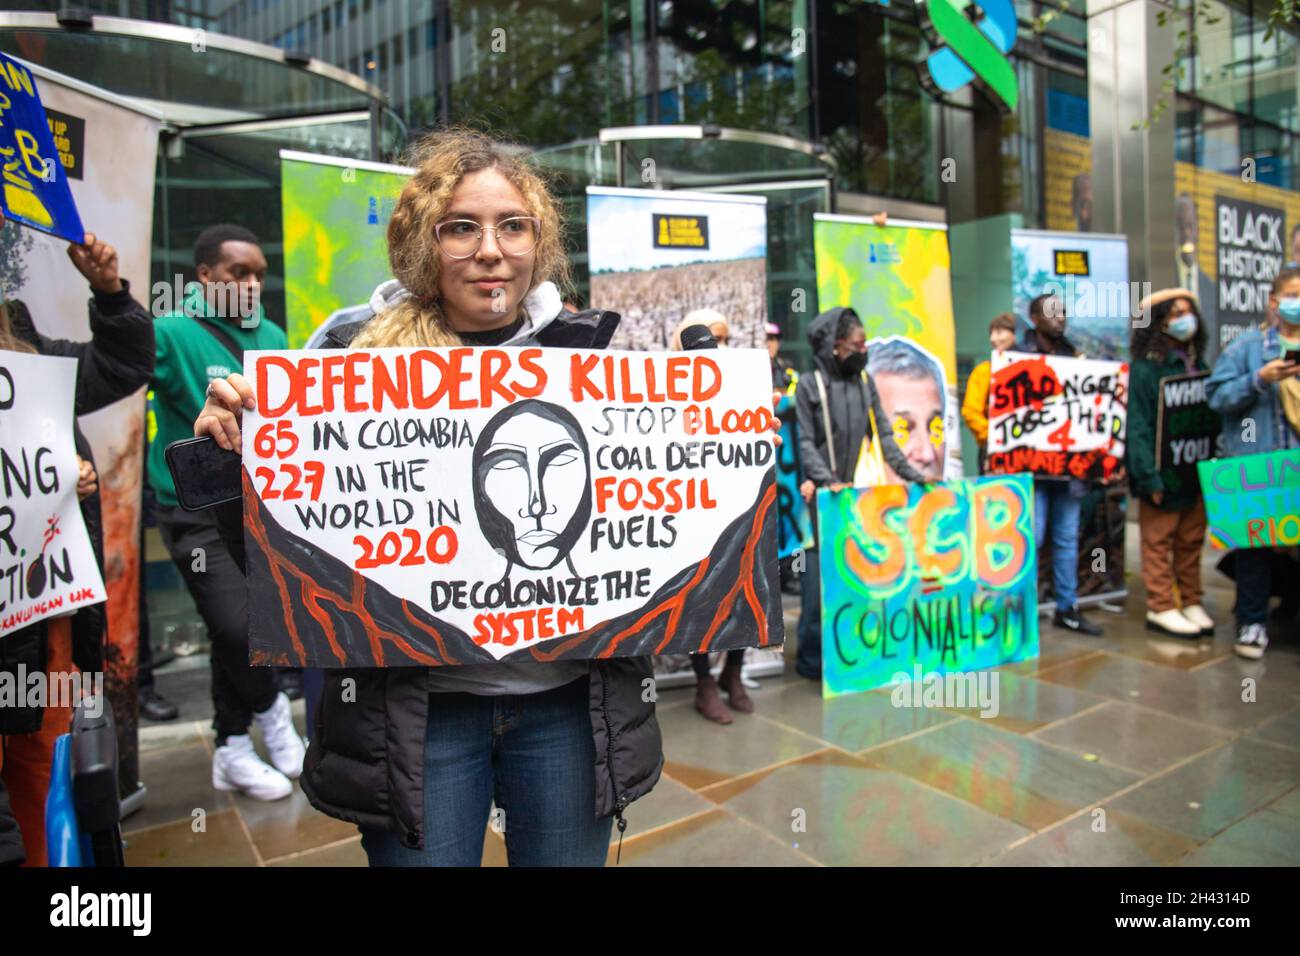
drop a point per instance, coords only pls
(701, 662)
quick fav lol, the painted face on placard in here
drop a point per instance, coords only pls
(532, 483)
(914, 412)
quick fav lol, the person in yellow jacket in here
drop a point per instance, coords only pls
(975, 408)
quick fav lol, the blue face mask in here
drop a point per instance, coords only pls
(1289, 309)
(1182, 328)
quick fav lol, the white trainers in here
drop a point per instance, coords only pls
(1171, 622)
(1196, 614)
(282, 741)
(1251, 641)
(236, 766)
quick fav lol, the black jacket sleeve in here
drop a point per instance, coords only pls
(116, 361)
(807, 406)
(11, 840)
(888, 447)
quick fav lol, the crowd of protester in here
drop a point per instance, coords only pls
(416, 758)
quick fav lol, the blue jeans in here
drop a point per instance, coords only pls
(534, 755)
(1056, 505)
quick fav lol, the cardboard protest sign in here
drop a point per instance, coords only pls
(471, 505)
(1055, 416)
(47, 565)
(1187, 430)
(941, 576)
(1252, 501)
(36, 189)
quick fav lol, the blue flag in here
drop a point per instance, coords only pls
(36, 189)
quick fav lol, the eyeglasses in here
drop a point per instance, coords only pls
(461, 238)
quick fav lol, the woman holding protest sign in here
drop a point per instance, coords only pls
(116, 362)
(1171, 514)
(1255, 386)
(415, 756)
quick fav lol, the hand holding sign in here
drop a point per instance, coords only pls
(97, 261)
(227, 397)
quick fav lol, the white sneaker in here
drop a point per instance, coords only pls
(1251, 641)
(1171, 622)
(1196, 614)
(236, 766)
(282, 741)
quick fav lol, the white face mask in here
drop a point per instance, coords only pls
(1182, 328)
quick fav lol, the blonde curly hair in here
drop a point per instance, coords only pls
(441, 160)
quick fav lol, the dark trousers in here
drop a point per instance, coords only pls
(221, 594)
(808, 658)
(1254, 573)
(700, 662)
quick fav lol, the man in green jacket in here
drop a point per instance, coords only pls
(221, 317)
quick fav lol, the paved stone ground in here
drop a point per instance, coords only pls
(1121, 750)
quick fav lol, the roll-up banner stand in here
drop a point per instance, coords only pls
(108, 150)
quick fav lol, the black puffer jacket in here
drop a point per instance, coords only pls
(366, 759)
(847, 400)
(116, 361)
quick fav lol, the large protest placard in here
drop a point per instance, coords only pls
(470, 505)
(943, 577)
(36, 189)
(47, 566)
(1056, 417)
(656, 256)
(1187, 430)
(1252, 501)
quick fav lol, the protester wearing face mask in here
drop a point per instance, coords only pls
(835, 406)
(1172, 520)
(1057, 500)
(1256, 388)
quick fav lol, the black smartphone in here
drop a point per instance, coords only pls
(205, 474)
(1292, 355)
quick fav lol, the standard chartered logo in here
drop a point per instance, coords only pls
(974, 50)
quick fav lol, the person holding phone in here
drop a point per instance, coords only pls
(220, 318)
(1255, 387)
(116, 362)
(417, 756)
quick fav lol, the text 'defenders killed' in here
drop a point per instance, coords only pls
(450, 506)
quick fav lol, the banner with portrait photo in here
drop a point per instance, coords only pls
(438, 507)
(942, 578)
(336, 214)
(655, 256)
(897, 279)
(47, 564)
